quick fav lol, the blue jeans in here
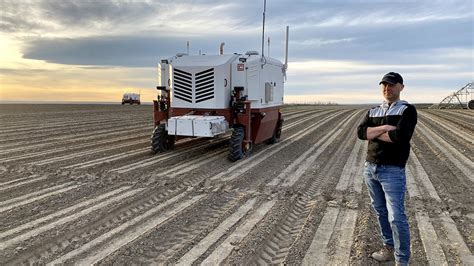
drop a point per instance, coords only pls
(387, 185)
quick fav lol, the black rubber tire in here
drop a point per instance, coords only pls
(277, 134)
(160, 140)
(236, 149)
(470, 105)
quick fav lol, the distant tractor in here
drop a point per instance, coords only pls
(131, 98)
(210, 95)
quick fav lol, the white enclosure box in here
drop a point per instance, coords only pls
(197, 125)
(210, 126)
(181, 125)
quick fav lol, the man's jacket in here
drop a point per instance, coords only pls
(399, 114)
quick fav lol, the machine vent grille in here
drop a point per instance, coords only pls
(183, 86)
(204, 85)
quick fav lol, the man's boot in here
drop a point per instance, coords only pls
(384, 254)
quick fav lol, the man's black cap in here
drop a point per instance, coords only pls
(392, 78)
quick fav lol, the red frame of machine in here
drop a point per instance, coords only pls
(260, 123)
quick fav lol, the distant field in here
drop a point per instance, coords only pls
(79, 185)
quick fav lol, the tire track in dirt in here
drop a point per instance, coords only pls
(195, 181)
(241, 167)
(122, 155)
(461, 115)
(188, 166)
(148, 162)
(105, 225)
(331, 245)
(420, 182)
(70, 131)
(20, 182)
(288, 231)
(35, 231)
(114, 244)
(74, 208)
(230, 219)
(67, 136)
(144, 152)
(46, 127)
(174, 245)
(57, 159)
(56, 148)
(211, 211)
(451, 116)
(225, 248)
(36, 196)
(198, 250)
(447, 126)
(154, 160)
(293, 116)
(464, 164)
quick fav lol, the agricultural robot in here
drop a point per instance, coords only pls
(210, 95)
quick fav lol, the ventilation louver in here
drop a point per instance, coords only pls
(203, 85)
(183, 85)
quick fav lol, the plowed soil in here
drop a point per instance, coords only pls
(79, 185)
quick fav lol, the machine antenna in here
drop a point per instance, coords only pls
(268, 52)
(286, 46)
(263, 28)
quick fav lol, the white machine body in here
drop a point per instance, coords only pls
(207, 81)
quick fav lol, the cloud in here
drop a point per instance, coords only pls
(96, 13)
(129, 51)
(336, 47)
(321, 42)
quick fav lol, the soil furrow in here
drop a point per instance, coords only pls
(448, 127)
(297, 216)
(77, 185)
(426, 209)
(463, 164)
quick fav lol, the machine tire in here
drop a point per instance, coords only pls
(236, 149)
(470, 105)
(160, 140)
(277, 134)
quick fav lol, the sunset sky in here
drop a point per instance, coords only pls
(85, 50)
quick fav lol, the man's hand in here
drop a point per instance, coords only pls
(389, 127)
(376, 132)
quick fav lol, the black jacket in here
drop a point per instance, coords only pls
(399, 114)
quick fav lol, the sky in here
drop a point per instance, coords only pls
(95, 50)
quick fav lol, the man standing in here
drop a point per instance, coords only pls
(389, 128)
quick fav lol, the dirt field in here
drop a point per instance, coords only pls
(78, 185)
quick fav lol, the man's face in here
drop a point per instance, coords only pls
(391, 92)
